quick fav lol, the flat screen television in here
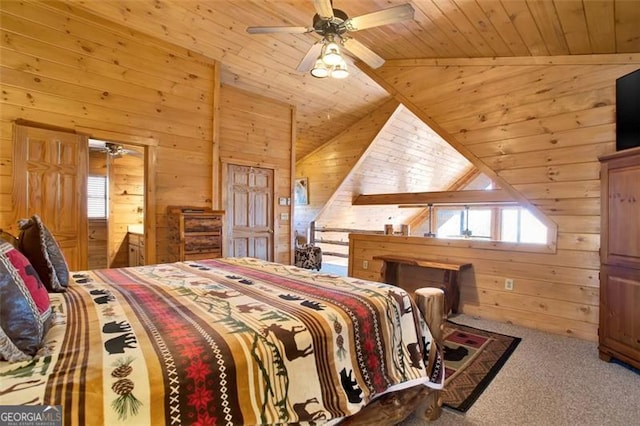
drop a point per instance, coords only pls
(628, 111)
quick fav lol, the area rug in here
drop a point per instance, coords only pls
(472, 358)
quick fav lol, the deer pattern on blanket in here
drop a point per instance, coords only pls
(182, 343)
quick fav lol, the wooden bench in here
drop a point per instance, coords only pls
(392, 272)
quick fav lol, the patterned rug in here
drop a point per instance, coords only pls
(473, 357)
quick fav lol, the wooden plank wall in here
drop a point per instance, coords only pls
(98, 231)
(328, 166)
(258, 131)
(98, 244)
(539, 124)
(65, 68)
(406, 156)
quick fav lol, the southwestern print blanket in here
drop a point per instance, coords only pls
(223, 342)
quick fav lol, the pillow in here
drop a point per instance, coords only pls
(21, 324)
(5, 236)
(30, 277)
(42, 250)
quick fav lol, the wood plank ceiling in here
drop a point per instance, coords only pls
(265, 64)
(405, 156)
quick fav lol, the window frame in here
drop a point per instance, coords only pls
(105, 180)
(495, 226)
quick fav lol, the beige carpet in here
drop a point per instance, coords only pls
(550, 380)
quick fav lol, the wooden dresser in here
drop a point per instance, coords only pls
(194, 233)
(619, 331)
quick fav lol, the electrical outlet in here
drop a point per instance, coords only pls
(508, 283)
(365, 264)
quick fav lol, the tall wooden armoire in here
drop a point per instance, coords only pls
(619, 332)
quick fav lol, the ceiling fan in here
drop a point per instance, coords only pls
(115, 150)
(323, 58)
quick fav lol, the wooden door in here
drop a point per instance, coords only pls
(50, 180)
(250, 212)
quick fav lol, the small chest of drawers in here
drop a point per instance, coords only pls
(194, 233)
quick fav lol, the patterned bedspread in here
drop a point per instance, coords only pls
(226, 341)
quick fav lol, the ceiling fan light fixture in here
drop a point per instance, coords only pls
(334, 25)
(340, 70)
(320, 69)
(114, 149)
(331, 52)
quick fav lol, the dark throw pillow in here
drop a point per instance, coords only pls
(30, 277)
(5, 236)
(42, 250)
(22, 324)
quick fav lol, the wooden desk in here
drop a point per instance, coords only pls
(391, 273)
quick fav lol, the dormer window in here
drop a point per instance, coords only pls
(509, 223)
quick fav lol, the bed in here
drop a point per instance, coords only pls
(233, 341)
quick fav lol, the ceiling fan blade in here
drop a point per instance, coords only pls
(309, 59)
(381, 17)
(133, 152)
(362, 52)
(270, 30)
(324, 9)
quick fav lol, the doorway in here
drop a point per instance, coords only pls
(53, 183)
(249, 211)
(116, 200)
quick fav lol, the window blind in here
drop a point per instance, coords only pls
(97, 197)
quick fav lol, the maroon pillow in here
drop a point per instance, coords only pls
(42, 250)
(22, 324)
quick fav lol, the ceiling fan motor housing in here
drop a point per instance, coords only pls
(331, 26)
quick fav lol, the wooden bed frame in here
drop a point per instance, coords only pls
(392, 408)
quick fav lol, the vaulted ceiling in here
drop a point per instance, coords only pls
(266, 64)
(405, 156)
